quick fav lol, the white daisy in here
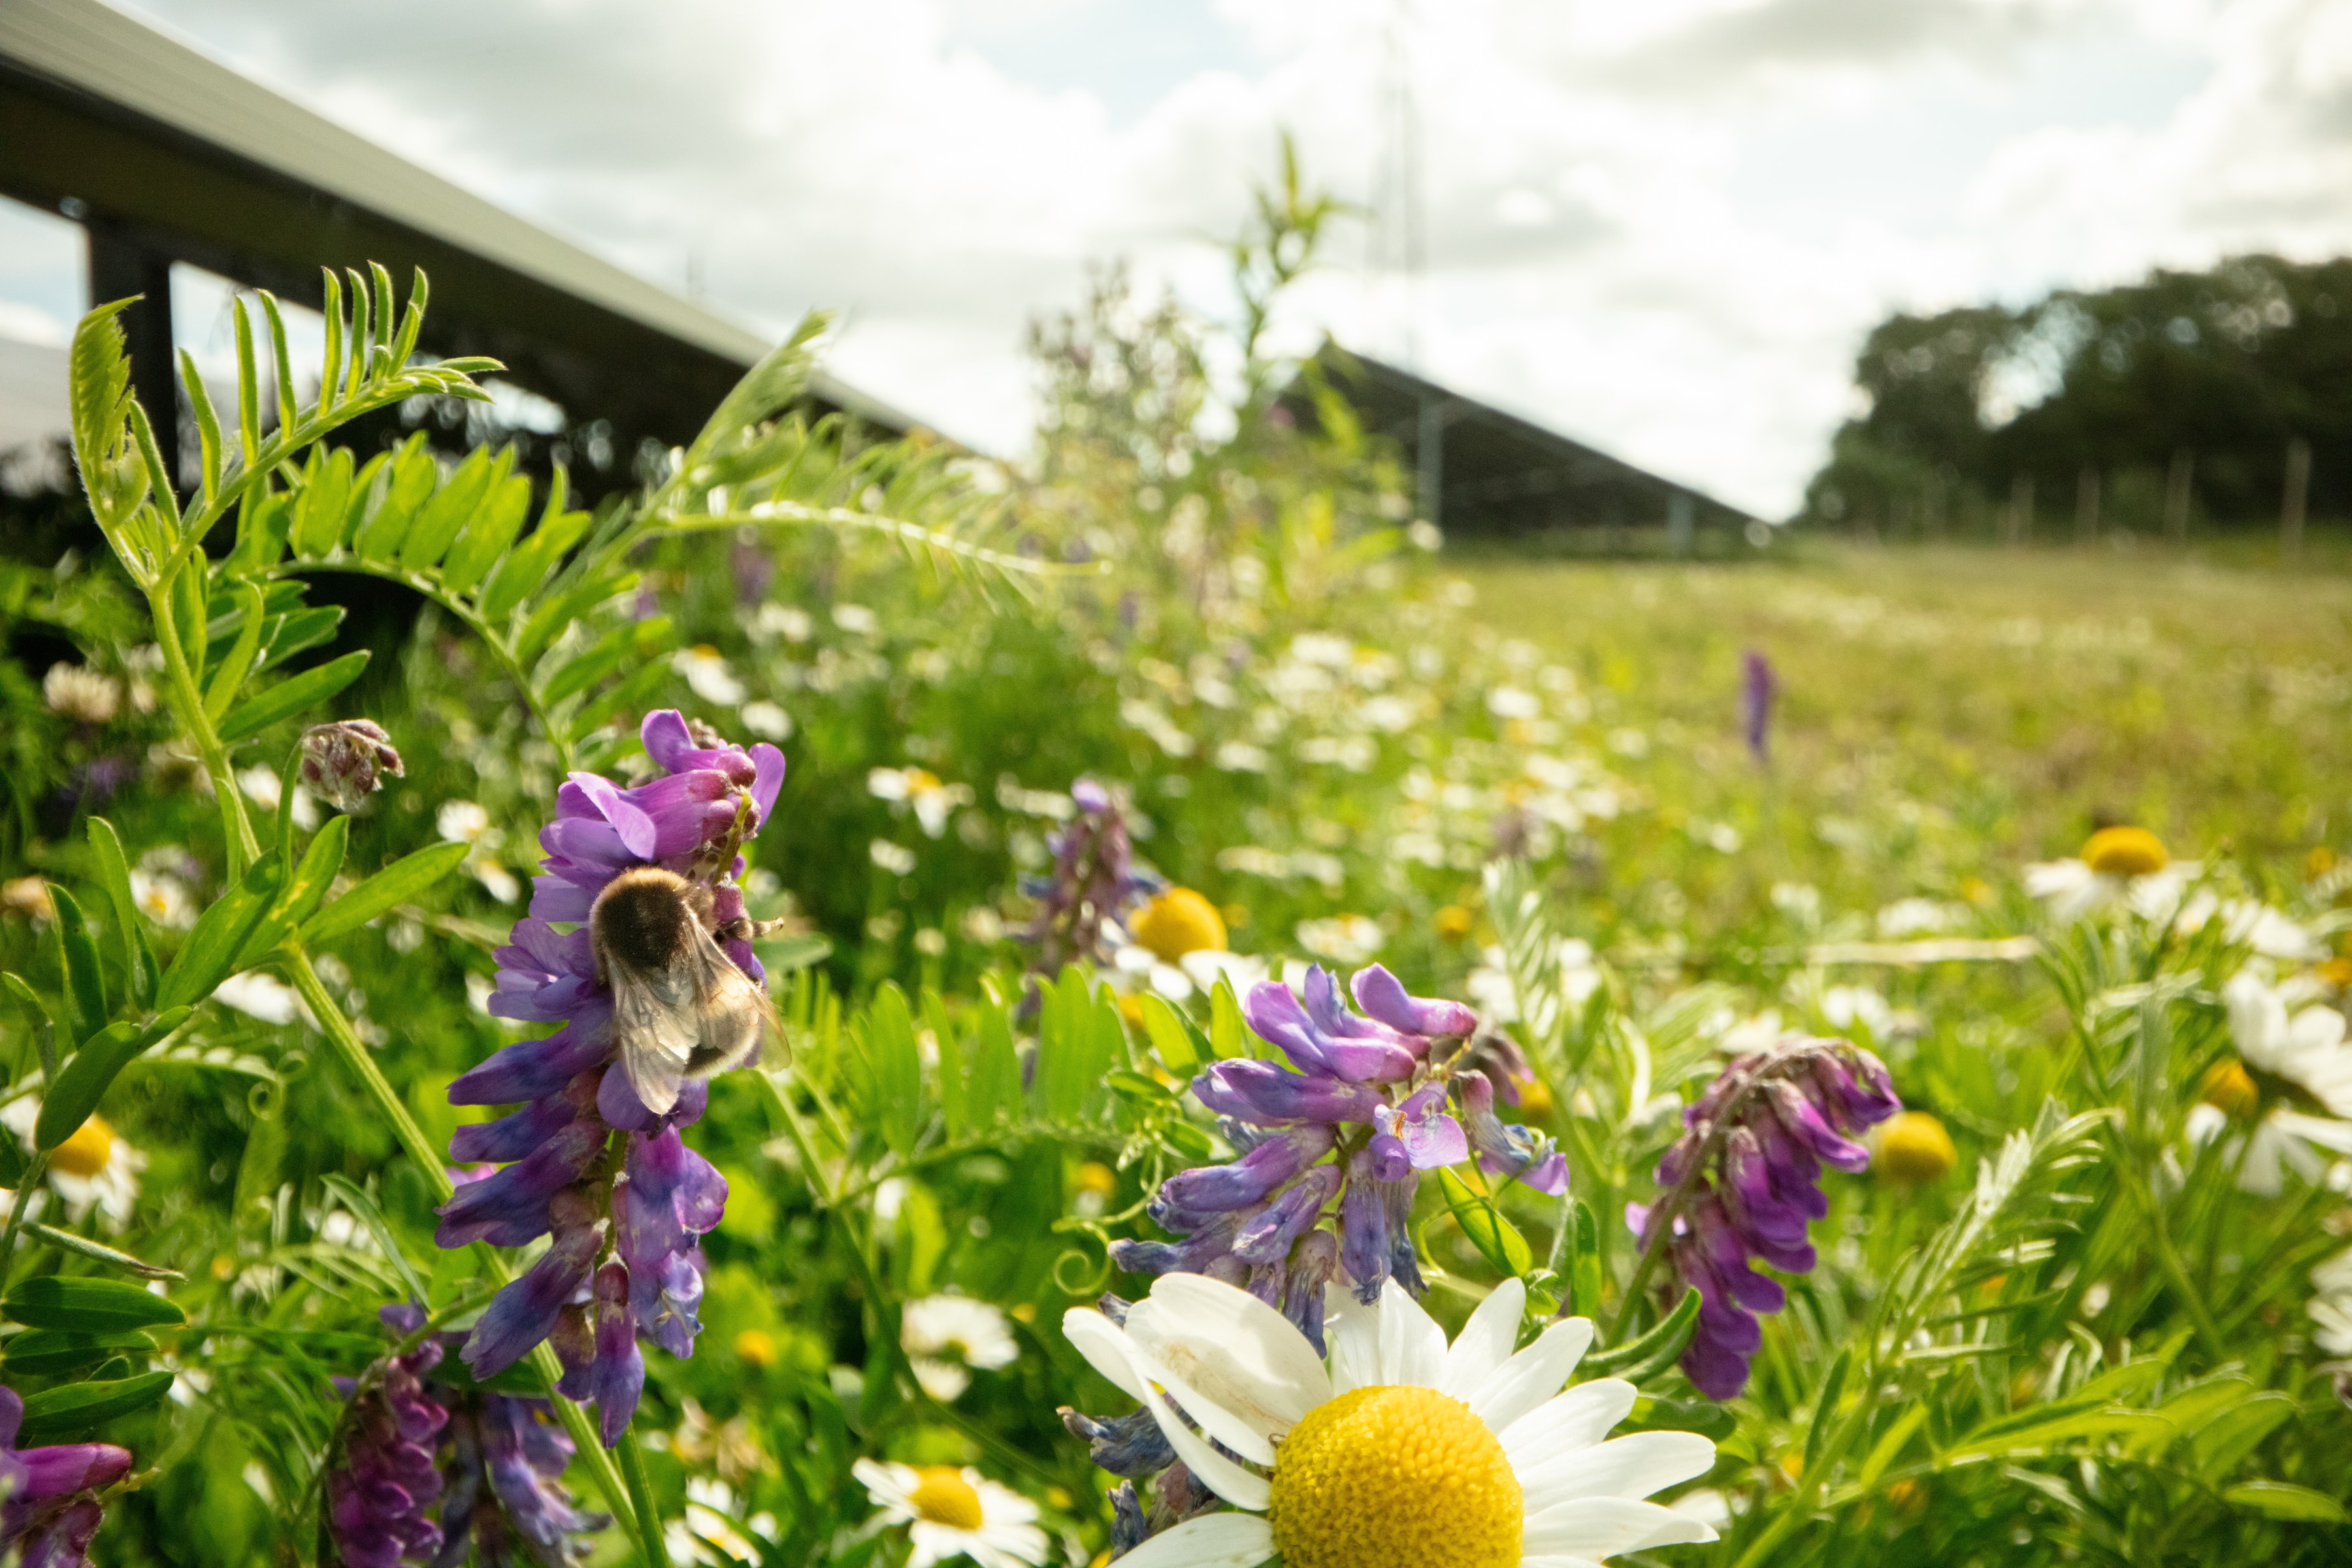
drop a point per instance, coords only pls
(163, 898)
(2331, 1306)
(934, 802)
(1342, 939)
(955, 1513)
(707, 671)
(1404, 1450)
(934, 1328)
(2119, 865)
(263, 996)
(2306, 1052)
(2269, 932)
(94, 1169)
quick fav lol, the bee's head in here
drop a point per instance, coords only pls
(646, 918)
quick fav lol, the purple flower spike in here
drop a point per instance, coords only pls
(1280, 1018)
(1758, 687)
(1747, 1168)
(1267, 1092)
(1383, 995)
(632, 1229)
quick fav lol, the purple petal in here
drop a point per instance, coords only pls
(770, 762)
(1383, 995)
(637, 830)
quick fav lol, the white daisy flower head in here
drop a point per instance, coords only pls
(934, 1328)
(707, 671)
(2126, 866)
(933, 800)
(95, 1169)
(2331, 1304)
(2284, 1056)
(2307, 1049)
(952, 1512)
(1402, 1449)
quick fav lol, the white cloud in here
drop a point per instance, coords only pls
(1660, 227)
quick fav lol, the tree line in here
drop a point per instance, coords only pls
(2221, 398)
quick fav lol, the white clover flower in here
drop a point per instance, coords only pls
(80, 693)
(952, 1512)
(96, 1168)
(1404, 1449)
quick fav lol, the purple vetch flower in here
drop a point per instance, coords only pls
(584, 1160)
(1744, 1181)
(1758, 685)
(1094, 885)
(493, 1462)
(378, 1496)
(53, 1508)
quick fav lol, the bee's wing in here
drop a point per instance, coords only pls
(733, 1010)
(654, 1020)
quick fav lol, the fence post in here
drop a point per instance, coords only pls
(2176, 495)
(2298, 492)
(2020, 509)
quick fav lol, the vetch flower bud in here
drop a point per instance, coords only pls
(346, 761)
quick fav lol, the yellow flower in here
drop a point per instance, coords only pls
(1179, 922)
(2228, 1087)
(1976, 890)
(2338, 972)
(1454, 922)
(1095, 1177)
(1131, 1008)
(2319, 862)
(2125, 852)
(1914, 1148)
(1535, 1098)
(756, 1347)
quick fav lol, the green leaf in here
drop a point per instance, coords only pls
(1584, 1269)
(1890, 1443)
(995, 1084)
(38, 1019)
(486, 535)
(238, 660)
(130, 934)
(291, 696)
(49, 1353)
(84, 976)
(1064, 1049)
(451, 507)
(363, 1208)
(898, 1068)
(87, 1305)
(401, 882)
(211, 950)
(92, 1070)
(98, 381)
(790, 955)
(1825, 1406)
(296, 630)
(2280, 1499)
(78, 1409)
(2059, 1435)
(953, 1118)
(319, 513)
(413, 476)
(2229, 1438)
(1183, 1049)
(769, 387)
(1228, 1036)
(555, 615)
(1497, 1240)
(1653, 1351)
(632, 642)
(83, 1246)
(303, 893)
(208, 431)
(530, 563)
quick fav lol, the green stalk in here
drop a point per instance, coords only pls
(188, 706)
(649, 1529)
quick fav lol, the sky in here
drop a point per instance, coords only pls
(1661, 227)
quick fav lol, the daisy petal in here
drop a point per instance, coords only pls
(1558, 1562)
(1097, 1338)
(1353, 1331)
(1534, 1375)
(1243, 1489)
(1486, 1342)
(1212, 1541)
(1412, 1347)
(1632, 1466)
(1577, 1419)
(1601, 1527)
(1232, 1349)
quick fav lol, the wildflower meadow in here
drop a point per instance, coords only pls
(848, 1001)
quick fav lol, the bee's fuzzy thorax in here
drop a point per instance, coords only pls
(645, 918)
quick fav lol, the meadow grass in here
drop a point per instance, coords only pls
(2017, 698)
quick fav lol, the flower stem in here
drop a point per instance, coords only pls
(649, 1529)
(354, 1054)
(35, 1169)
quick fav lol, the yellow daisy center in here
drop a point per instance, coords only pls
(756, 1347)
(1913, 1147)
(2228, 1087)
(943, 1497)
(85, 1153)
(1454, 922)
(2125, 852)
(1393, 1475)
(1179, 922)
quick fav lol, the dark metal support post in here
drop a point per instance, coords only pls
(1429, 460)
(120, 266)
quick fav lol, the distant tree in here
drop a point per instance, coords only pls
(2225, 366)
